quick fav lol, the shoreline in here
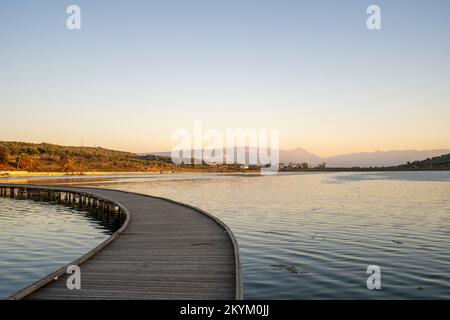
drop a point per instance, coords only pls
(25, 174)
(11, 174)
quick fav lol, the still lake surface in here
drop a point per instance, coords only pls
(313, 235)
(38, 238)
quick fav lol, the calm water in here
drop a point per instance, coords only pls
(38, 238)
(301, 236)
(328, 227)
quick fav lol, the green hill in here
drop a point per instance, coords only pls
(54, 158)
(435, 163)
(45, 157)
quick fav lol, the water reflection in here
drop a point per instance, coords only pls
(313, 235)
(37, 238)
(328, 227)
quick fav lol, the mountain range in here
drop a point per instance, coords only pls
(361, 159)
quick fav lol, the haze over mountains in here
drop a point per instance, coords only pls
(382, 158)
(361, 159)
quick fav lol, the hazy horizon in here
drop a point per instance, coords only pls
(161, 152)
(139, 70)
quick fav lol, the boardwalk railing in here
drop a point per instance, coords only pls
(65, 196)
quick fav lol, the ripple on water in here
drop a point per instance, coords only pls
(38, 238)
(330, 225)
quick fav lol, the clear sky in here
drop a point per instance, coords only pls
(137, 70)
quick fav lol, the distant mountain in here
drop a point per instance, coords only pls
(362, 159)
(299, 155)
(209, 155)
(381, 158)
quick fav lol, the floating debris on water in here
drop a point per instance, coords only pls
(397, 242)
(290, 269)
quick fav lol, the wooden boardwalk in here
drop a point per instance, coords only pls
(166, 250)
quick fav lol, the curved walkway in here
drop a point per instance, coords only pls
(165, 250)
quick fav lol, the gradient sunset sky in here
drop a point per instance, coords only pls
(140, 69)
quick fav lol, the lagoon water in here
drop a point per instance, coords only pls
(310, 235)
(38, 238)
(313, 235)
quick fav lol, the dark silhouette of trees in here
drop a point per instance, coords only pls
(323, 165)
(440, 162)
(4, 155)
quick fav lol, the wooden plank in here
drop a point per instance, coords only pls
(167, 250)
